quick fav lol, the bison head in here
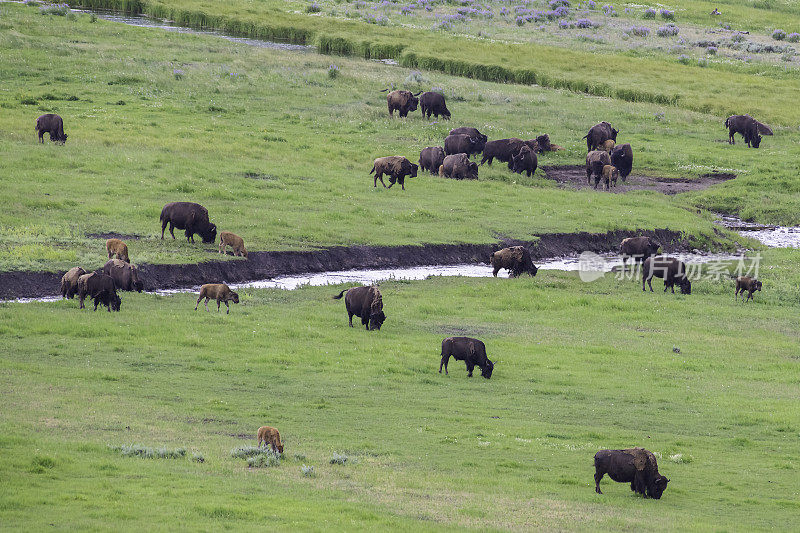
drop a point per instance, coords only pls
(532, 269)
(116, 303)
(235, 297)
(653, 246)
(657, 487)
(478, 144)
(414, 169)
(756, 285)
(412, 103)
(63, 139)
(472, 170)
(376, 320)
(209, 235)
(486, 371)
(138, 285)
(544, 142)
(280, 447)
(756, 140)
(614, 134)
(686, 285)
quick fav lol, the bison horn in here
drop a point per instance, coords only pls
(419, 93)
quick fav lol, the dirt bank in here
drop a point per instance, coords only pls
(574, 177)
(264, 265)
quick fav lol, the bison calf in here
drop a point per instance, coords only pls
(116, 247)
(636, 466)
(748, 285)
(610, 175)
(226, 238)
(219, 292)
(458, 167)
(471, 351)
(270, 435)
(365, 303)
(595, 161)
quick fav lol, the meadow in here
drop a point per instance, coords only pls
(708, 383)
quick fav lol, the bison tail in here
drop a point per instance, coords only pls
(340, 294)
(727, 120)
(373, 169)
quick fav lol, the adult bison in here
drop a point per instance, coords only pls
(432, 103)
(516, 259)
(746, 126)
(598, 134)
(471, 351)
(99, 287)
(595, 161)
(524, 160)
(463, 144)
(402, 101)
(397, 167)
(638, 249)
(190, 217)
(52, 124)
(636, 466)
(431, 158)
(125, 275)
(504, 149)
(365, 303)
(670, 269)
(622, 158)
(69, 282)
(472, 132)
(458, 167)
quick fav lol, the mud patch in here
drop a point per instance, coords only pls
(258, 176)
(115, 235)
(574, 177)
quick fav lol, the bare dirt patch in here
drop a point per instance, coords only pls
(574, 177)
(115, 235)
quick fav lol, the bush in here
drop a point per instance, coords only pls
(586, 23)
(737, 37)
(793, 37)
(246, 451)
(649, 13)
(308, 471)
(313, 7)
(416, 77)
(264, 460)
(639, 31)
(337, 459)
(198, 457)
(135, 450)
(711, 50)
(333, 72)
(93, 18)
(60, 10)
(778, 35)
(683, 59)
(666, 14)
(670, 30)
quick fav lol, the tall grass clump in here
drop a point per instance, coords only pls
(778, 35)
(338, 459)
(793, 37)
(264, 460)
(308, 471)
(670, 30)
(145, 452)
(246, 451)
(60, 10)
(649, 13)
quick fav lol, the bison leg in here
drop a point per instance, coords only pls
(350, 317)
(443, 362)
(171, 229)
(470, 368)
(206, 303)
(382, 183)
(597, 477)
(227, 308)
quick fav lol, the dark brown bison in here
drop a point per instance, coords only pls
(516, 259)
(402, 101)
(598, 134)
(672, 270)
(101, 289)
(595, 161)
(636, 466)
(219, 292)
(471, 351)
(458, 167)
(543, 141)
(746, 126)
(746, 284)
(524, 160)
(638, 249)
(472, 132)
(622, 158)
(504, 149)
(365, 303)
(125, 275)
(53, 125)
(397, 167)
(431, 158)
(190, 217)
(463, 144)
(433, 104)
(69, 282)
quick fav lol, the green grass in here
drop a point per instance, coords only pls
(579, 367)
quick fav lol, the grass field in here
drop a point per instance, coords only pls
(579, 367)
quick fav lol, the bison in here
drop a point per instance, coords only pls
(504, 149)
(226, 238)
(125, 275)
(69, 282)
(188, 216)
(397, 167)
(100, 288)
(402, 101)
(472, 132)
(458, 167)
(610, 175)
(431, 158)
(672, 270)
(52, 124)
(622, 158)
(748, 285)
(116, 247)
(607, 145)
(598, 134)
(524, 160)
(746, 126)
(432, 103)
(471, 351)
(636, 466)
(271, 436)
(595, 161)
(516, 259)
(219, 292)
(543, 141)
(463, 144)
(365, 303)
(638, 249)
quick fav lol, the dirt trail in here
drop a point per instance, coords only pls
(574, 177)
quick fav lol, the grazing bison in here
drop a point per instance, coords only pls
(271, 436)
(504, 149)
(598, 134)
(401, 101)
(458, 167)
(515, 259)
(116, 247)
(226, 238)
(622, 158)
(69, 282)
(471, 351)
(433, 104)
(746, 126)
(188, 216)
(100, 288)
(219, 292)
(638, 249)
(636, 466)
(431, 158)
(595, 161)
(472, 132)
(397, 167)
(610, 175)
(125, 275)
(463, 144)
(365, 303)
(748, 285)
(524, 161)
(53, 125)
(672, 270)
